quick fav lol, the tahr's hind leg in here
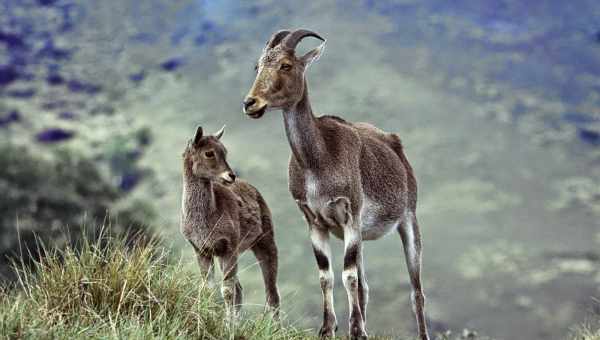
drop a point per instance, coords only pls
(363, 290)
(411, 239)
(266, 253)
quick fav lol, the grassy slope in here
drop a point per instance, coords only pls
(425, 73)
(107, 290)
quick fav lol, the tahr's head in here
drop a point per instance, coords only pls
(206, 157)
(279, 82)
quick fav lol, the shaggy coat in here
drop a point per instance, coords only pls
(222, 217)
(351, 180)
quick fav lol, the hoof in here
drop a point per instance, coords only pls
(273, 312)
(327, 331)
(358, 337)
(357, 332)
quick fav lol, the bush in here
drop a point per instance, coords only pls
(50, 198)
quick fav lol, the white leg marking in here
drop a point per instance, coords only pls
(327, 281)
(410, 240)
(353, 244)
(320, 243)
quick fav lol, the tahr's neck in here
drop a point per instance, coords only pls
(303, 133)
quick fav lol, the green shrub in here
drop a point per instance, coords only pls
(48, 197)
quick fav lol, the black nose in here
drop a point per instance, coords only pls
(249, 102)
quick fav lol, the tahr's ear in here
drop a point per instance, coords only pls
(198, 135)
(313, 55)
(219, 133)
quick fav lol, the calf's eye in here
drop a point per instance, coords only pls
(209, 154)
(286, 67)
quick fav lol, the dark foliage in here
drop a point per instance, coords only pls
(590, 136)
(50, 201)
(137, 77)
(172, 64)
(46, 2)
(11, 117)
(12, 40)
(52, 52)
(54, 135)
(55, 79)
(8, 74)
(67, 115)
(22, 94)
(78, 86)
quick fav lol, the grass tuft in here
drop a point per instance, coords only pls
(109, 290)
(589, 330)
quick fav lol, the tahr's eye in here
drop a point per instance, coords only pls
(209, 154)
(286, 67)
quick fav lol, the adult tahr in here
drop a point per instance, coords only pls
(351, 180)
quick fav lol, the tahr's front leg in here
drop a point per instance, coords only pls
(322, 251)
(339, 211)
(231, 289)
(206, 264)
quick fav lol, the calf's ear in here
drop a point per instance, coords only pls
(198, 135)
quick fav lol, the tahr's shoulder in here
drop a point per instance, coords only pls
(331, 119)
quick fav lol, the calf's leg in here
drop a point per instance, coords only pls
(266, 254)
(231, 289)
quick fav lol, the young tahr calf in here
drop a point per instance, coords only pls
(222, 217)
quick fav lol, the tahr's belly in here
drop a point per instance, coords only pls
(372, 219)
(373, 222)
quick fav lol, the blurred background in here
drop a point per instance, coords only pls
(497, 104)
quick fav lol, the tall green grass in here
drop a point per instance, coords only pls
(589, 330)
(107, 290)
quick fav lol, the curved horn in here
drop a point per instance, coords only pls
(277, 37)
(292, 40)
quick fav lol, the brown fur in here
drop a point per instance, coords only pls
(222, 220)
(349, 179)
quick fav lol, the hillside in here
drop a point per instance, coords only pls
(108, 289)
(497, 104)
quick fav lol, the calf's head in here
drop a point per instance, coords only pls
(206, 157)
(280, 81)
